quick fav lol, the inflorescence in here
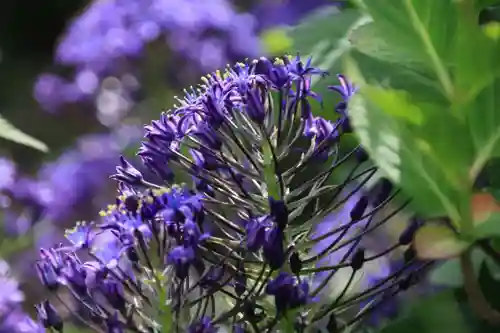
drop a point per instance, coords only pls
(277, 210)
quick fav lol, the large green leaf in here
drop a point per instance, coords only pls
(449, 273)
(483, 118)
(424, 28)
(436, 314)
(444, 36)
(409, 149)
(9, 132)
(368, 40)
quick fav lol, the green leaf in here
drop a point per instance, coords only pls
(417, 158)
(9, 132)
(286, 322)
(433, 241)
(483, 119)
(422, 27)
(369, 41)
(449, 273)
(272, 184)
(437, 314)
(438, 34)
(489, 228)
(395, 102)
(276, 40)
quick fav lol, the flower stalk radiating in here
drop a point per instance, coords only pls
(245, 248)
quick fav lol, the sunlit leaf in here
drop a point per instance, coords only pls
(417, 158)
(395, 103)
(9, 132)
(422, 27)
(276, 40)
(438, 35)
(434, 241)
(368, 40)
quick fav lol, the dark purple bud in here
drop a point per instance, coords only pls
(409, 255)
(407, 235)
(381, 191)
(113, 291)
(203, 186)
(358, 259)
(346, 125)
(239, 328)
(274, 252)
(332, 325)
(48, 316)
(295, 263)
(240, 279)
(359, 208)
(279, 212)
(131, 203)
(255, 105)
(127, 173)
(181, 258)
(361, 155)
(406, 282)
(204, 325)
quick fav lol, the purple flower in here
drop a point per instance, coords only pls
(256, 232)
(181, 258)
(287, 12)
(127, 173)
(49, 316)
(204, 325)
(248, 136)
(81, 235)
(7, 173)
(274, 251)
(106, 38)
(17, 321)
(10, 295)
(288, 292)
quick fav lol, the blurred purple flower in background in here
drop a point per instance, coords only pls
(285, 12)
(12, 318)
(108, 36)
(7, 173)
(74, 181)
(339, 223)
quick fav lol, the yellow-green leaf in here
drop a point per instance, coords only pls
(434, 241)
(9, 132)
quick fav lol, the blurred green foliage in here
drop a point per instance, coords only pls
(426, 110)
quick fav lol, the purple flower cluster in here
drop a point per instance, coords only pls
(63, 185)
(12, 318)
(264, 172)
(108, 37)
(286, 12)
(72, 186)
